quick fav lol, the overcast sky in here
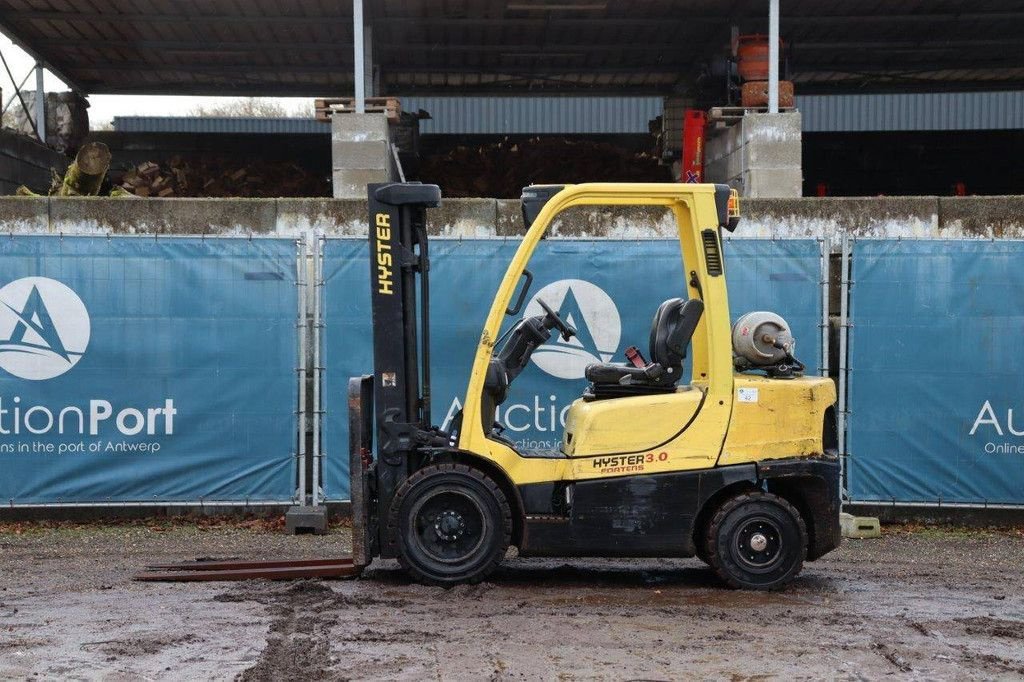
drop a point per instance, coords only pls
(102, 108)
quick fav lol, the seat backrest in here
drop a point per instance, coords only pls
(671, 331)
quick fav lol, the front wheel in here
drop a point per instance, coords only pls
(756, 541)
(452, 525)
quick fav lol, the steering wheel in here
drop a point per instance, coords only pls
(567, 330)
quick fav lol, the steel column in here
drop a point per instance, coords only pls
(368, 61)
(359, 52)
(773, 56)
(40, 104)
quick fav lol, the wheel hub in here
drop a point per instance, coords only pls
(759, 542)
(449, 525)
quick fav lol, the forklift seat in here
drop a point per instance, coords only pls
(671, 331)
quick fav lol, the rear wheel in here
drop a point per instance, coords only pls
(756, 541)
(452, 524)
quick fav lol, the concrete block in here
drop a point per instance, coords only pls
(372, 154)
(769, 154)
(350, 183)
(996, 217)
(361, 153)
(775, 182)
(463, 218)
(332, 217)
(859, 527)
(722, 142)
(725, 169)
(306, 520)
(757, 142)
(359, 128)
(24, 215)
(162, 216)
(783, 125)
(772, 140)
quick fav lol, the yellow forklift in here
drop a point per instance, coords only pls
(737, 467)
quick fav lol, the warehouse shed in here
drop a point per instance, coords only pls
(868, 77)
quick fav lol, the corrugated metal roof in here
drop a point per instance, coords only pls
(912, 111)
(219, 124)
(305, 47)
(565, 115)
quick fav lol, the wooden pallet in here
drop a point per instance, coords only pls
(723, 117)
(328, 106)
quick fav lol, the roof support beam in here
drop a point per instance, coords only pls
(773, 56)
(359, 54)
(884, 68)
(909, 46)
(345, 69)
(15, 37)
(210, 47)
(242, 48)
(440, 21)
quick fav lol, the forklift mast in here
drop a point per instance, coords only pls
(401, 338)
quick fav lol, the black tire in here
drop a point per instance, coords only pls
(756, 541)
(701, 545)
(451, 523)
(702, 554)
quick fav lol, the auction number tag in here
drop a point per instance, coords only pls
(746, 395)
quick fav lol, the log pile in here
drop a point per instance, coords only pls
(214, 176)
(501, 170)
(84, 177)
(210, 176)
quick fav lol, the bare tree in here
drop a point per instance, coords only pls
(252, 107)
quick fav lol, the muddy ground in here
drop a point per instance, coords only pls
(924, 604)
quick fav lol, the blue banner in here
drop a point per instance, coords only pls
(937, 411)
(147, 370)
(609, 290)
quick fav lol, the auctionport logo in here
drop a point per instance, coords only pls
(44, 328)
(592, 312)
(997, 424)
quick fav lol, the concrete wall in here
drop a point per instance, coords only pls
(23, 161)
(908, 217)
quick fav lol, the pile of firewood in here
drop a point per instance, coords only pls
(501, 170)
(85, 176)
(214, 176)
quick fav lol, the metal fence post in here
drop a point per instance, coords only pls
(826, 253)
(300, 369)
(318, 281)
(844, 379)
